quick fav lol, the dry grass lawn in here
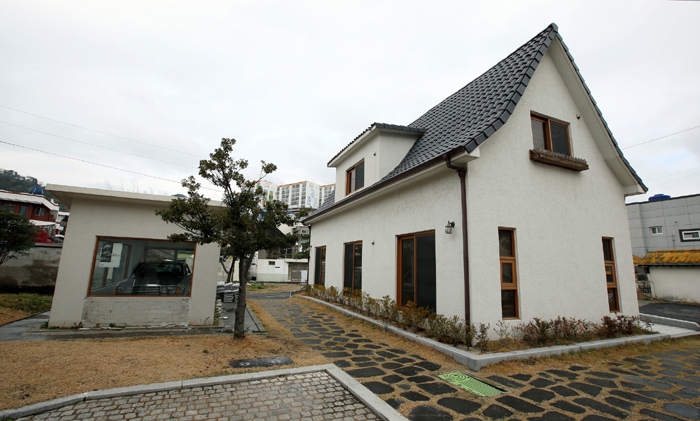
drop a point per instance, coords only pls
(38, 371)
(8, 315)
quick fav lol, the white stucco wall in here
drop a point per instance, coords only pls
(382, 151)
(560, 217)
(676, 283)
(421, 205)
(265, 272)
(93, 218)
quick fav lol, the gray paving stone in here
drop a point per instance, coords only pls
(415, 396)
(497, 412)
(437, 388)
(632, 396)
(538, 395)
(659, 415)
(519, 404)
(586, 388)
(620, 403)
(564, 391)
(506, 382)
(598, 406)
(429, 413)
(602, 382)
(541, 382)
(460, 406)
(649, 382)
(568, 407)
(683, 410)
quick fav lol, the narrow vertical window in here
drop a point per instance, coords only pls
(509, 279)
(355, 178)
(416, 265)
(22, 210)
(352, 273)
(610, 275)
(320, 266)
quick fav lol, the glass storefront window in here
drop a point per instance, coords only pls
(136, 267)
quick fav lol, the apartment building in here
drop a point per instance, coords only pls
(326, 191)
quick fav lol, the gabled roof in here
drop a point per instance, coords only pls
(465, 119)
(671, 258)
(377, 126)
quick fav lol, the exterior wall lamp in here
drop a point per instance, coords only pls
(448, 227)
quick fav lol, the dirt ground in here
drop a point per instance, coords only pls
(271, 288)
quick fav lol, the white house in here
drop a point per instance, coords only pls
(674, 274)
(117, 265)
(503, 202)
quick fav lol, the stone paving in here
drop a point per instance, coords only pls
(312, 396)
(660, 386)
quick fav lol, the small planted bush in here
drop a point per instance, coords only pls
(454, 330)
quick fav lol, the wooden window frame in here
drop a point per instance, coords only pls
(320, 274)
(512, 260)
(399, 265)
(548, 132)
(348, 175)
(94, 261)
(352, 283)
(611, 285)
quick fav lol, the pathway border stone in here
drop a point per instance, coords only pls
(372, 401)
(476, 361)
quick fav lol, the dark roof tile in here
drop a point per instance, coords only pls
(468, 117)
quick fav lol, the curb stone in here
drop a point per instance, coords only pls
(684, 324)
(374, 403)
(477, 361)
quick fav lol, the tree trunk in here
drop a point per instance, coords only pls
(231, 270)
(239, 325)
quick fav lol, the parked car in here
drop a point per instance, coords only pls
(157, 278)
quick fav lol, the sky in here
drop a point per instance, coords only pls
(147, 89)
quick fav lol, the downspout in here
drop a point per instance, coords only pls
(462, 172)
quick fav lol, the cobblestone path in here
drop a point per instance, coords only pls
(312, 396)
(661, 386)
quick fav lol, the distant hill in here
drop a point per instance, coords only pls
(12, 181)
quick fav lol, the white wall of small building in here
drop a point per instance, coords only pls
(676, 283)
(560, 217)
(92, 218)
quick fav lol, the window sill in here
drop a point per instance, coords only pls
(558, 160)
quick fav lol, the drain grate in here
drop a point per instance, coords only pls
(471, 384)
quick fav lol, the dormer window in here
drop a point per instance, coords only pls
(552, 144)
(551, 135)
(355, 178)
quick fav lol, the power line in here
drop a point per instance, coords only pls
(126, 138)
(658, 138)
(674, 173)
(101, 165)
(92, 144)
(673, 181)
(97, 131)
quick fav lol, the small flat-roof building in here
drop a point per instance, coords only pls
(118, 267)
